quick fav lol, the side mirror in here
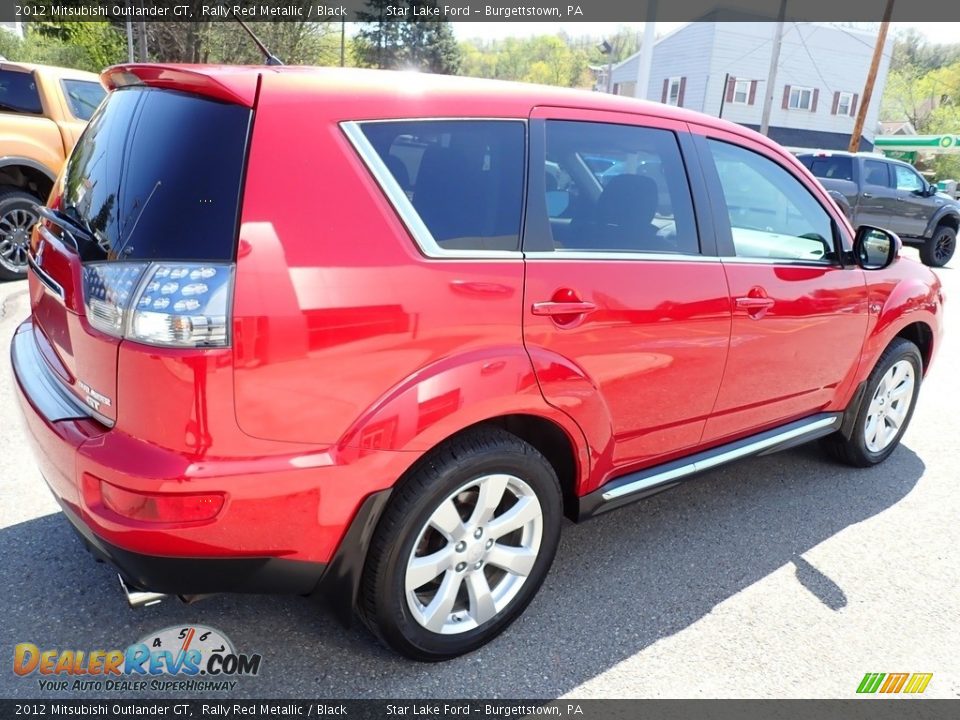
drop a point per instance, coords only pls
(932, 190)
(875, 249)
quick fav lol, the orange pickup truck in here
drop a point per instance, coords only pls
(43, 110)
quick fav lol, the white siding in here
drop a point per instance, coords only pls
(684, 53)
(812, 55)
(815, 56)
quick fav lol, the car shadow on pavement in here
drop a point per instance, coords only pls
(620, 582)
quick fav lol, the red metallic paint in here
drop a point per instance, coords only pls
(353, 354)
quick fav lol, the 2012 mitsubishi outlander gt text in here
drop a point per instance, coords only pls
(373, 335)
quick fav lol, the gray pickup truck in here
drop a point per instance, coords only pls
(890, 194)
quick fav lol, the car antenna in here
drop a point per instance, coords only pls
(269, 57)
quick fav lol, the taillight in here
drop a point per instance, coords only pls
(163, 303)
(160, 508)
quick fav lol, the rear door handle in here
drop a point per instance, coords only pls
(868, 195)
(747, 303)
(551, 308)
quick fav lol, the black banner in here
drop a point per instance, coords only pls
(873, 709)
(473, 10)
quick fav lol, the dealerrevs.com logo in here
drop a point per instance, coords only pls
(192, 658)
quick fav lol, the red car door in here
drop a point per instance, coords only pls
(626, 312)
(799, 314)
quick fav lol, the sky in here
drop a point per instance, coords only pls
(934, 32)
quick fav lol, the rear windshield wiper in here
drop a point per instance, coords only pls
(65, 222)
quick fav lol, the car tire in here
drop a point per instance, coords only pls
(17, 218)
(486, 507)
(885, 409)
(939, 249)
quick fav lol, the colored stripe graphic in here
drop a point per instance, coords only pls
(918, 682)
(894, 683)
(870, 682)
(912, 683)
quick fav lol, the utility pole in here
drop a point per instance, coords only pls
(871, 79)
(772, 73)
(144, 57)
(130, 56)
(723, 98)
(646, 51)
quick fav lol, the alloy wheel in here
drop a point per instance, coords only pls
(474, 554)
(889, 407)
(943, 249)
(15, 227)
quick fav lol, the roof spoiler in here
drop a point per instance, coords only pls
(233, 85)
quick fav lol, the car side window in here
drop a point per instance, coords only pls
(617, 188)
(907, 179)
(835, 167)
(464, 178)
(772, 214)
(83, 97)
(876, 172)
(18, 93)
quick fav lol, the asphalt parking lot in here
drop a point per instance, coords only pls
(783, 576)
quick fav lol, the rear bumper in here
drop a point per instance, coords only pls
(201, 576)
(285, 519)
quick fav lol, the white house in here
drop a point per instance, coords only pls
(720, 68)
(13, 26)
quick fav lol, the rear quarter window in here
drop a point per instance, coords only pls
(18, 93)
(464, 178)
(834, 167)
(83, 97)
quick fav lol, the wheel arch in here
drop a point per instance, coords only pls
(921, 335)
(27, 175)
(341, 581)
(948, 216)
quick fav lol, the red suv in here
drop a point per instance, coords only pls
(373, 335)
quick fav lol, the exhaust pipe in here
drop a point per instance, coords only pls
(138, 599)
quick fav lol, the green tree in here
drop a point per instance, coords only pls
(416, 42)
(83, 45)
(544, 59)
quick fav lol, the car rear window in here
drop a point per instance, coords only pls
(18, 93)
(464, 177)
(83, 97)
(833, 167)
(157, 175)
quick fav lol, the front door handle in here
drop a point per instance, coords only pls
(551, 308)
(868, 195)
(756, 303)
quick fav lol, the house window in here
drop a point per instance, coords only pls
(741, 92)
(845, 103)
(801, 98)
(673, 92)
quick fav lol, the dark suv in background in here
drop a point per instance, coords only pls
(877, 191)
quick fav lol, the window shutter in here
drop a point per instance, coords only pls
(683, 86)
(813, 103)
(786, 97)
(853, 104)
(836, 103)
(753, 92)
(731, 86)
(666, 89)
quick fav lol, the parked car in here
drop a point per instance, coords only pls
(43, 110)
(891, 194)
(387, 383)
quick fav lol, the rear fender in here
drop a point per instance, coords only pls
(452, 394)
